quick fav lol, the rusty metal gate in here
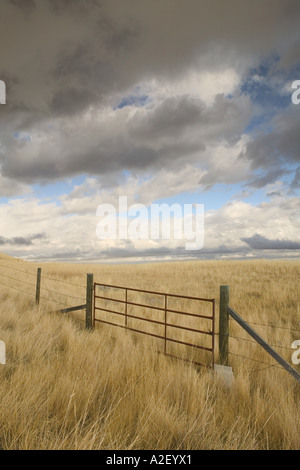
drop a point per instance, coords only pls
(162, 317)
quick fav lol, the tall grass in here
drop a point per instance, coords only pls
(66, 388)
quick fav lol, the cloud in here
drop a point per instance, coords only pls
(279, 144)
(9, 187)
(185, 116)
(258, 242)
(78, 60)
(274, 194)
(152, 100)
(139, 139)
(21, 241)
(26, 6)
(102, 47)
(68, 231)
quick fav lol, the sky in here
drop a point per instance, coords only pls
(161, 102)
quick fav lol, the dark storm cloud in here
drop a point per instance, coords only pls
(57, 6)
(258, 242)
(26, 5)
(273, 149)
(175, 115)
(21, 241)
(157, 137)
(280, 142)
(274, 194)
(61, 5)
(89, 77)
(141, 38)
(71, 101)
(62, 57)
(269, 177)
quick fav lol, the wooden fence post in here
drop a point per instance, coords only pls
(224, 325)
(89, 302)
(38, 286)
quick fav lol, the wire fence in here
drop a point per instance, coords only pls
(253, 343)
(258, 345)
(52, 292)
(48, 294)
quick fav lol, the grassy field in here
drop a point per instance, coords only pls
(66, 388)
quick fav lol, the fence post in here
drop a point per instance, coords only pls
(224, 325)
(89, 302)
(38, 286)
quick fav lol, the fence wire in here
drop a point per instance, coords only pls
(16, 288)
(255, 342)
(50, 298)
(43, 288)
(255, 360)
(268, 325)
(64, 282)
(17, 269)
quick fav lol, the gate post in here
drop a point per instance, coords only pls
(89, 302)
(224, 325)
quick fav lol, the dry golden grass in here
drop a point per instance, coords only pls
(66, 388)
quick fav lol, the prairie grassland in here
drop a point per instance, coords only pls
(65, 388)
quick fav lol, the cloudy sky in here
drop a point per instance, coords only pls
(161, 101)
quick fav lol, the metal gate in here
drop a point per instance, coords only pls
(161, 316)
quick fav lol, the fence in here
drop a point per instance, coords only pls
(38, 286)
(158, 304)
(225, 313)
(91, 306)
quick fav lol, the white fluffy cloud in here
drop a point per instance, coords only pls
(66, 232)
